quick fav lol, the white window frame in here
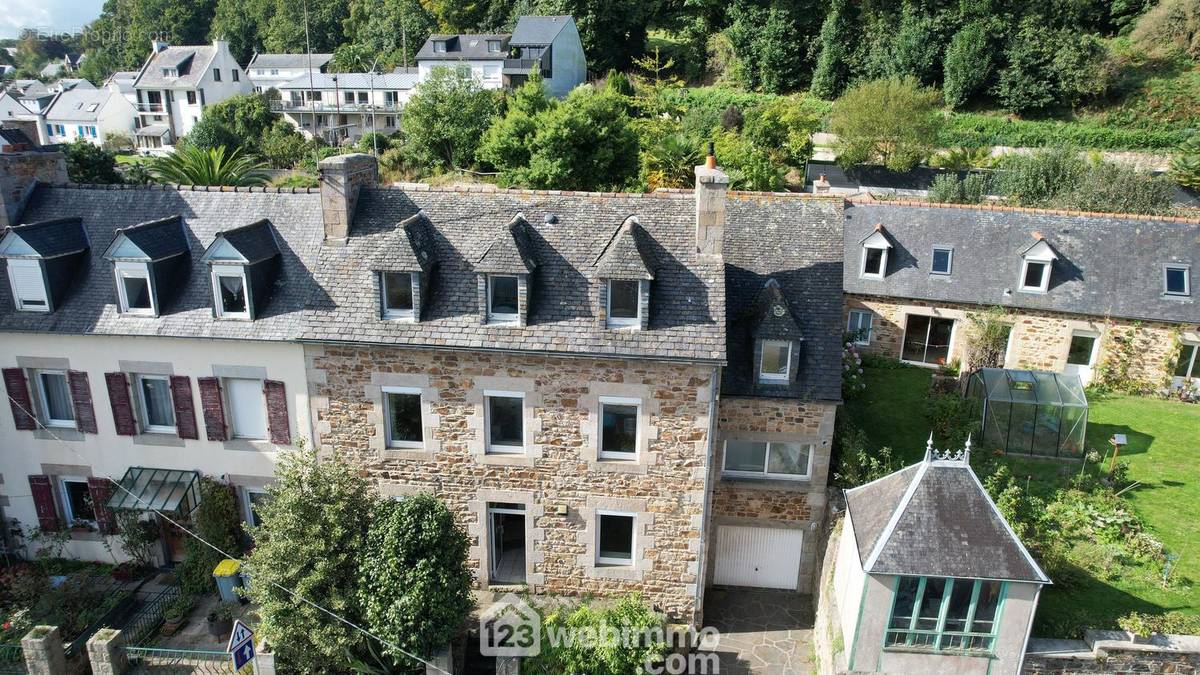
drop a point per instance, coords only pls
(637, 441)
(67, 511)
(144, 412)
(229, 410)
(623, 322)
(617, 562)
(396, 314)
(134, 270)
(1187, 282)
(1093, 354)
(765, 474)
(1045, 285)
(1193, 365)
(489, 447)
(949, 346)
(949, 260)
(12, 283)
(387, 418)
(216, 273)
(249, 503)
(870, 325)
(883, 258)
(505, 318)
(776, 377)
(44, 401)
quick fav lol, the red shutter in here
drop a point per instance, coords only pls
(122, 408)
(43, 501)
(277, 414)
(185, 408)
(214, 409)
(18, 399)
(81, 397)
(102, 489)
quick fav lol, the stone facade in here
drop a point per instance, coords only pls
(561, 483)
(19, 173)
(1040, 339)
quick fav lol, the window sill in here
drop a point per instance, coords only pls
(930, 651)
(1033, 291)
(617, 465)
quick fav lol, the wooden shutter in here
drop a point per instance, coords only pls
(277, 412)
(43, 501)
(102, 489)
(81, 398)
(214, 410)
(122, 407)
(185, 408)
(18, 399)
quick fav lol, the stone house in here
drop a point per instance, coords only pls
(1081, 291)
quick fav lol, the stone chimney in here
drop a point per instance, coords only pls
(712, 184)
(342, 176)
(157, 46)
(821, 185)
(20, 172)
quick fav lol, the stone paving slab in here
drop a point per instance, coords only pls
(762, 632)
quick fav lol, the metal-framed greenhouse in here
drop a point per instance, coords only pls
(1029, 412)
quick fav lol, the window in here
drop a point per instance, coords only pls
(49, 129)
(624, 300)
(927, 339)
(362, 97)
(397, 295)
(133, 288)
(859, 325)
(874, 262)
(255, 497)
(619, 428)
(945, 614)
(170, 72)
(493, 46)
(1082, 351)
(236, 75)
(229, 290)
(776, 361)
(348, 96)
(92, 131)
(403, 418)
(216, 74)
(505, 422)
(274, 72)
(1175, 280)
(247, 408)
(157, 407)
(191, 98)
(439, 46)
(491, 73)
(28, 286)
(1188, 365)
(943, 256)
(1035, 276)
(502, 299)
(763, 459)
(614, 538)
(391, 98)
(55, 398)
(62, 130)
(77, 499)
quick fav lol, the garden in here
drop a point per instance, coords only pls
(1116, 537)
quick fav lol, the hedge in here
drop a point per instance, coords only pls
(974, 130)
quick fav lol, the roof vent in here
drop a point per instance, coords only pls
(550, 219)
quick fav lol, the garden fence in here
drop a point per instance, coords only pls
(12, 659)
(178, 661)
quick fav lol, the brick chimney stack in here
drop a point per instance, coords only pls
(342, 176)
(712, 184)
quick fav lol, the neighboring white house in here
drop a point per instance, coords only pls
(122, 82)
(550, 43)
(271, 71)
(176, 84)
(90, 114)
(345, 105)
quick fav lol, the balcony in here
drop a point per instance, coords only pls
(523, 66)
(283, 105)
(150, 108)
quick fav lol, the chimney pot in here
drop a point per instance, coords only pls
(821, 185)
(710, 162)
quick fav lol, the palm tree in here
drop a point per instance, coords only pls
(194, 166)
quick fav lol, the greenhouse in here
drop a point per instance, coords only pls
(1026, 412)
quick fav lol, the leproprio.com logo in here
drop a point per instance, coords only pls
(511, 627)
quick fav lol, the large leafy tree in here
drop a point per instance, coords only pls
(968, 63)
(835, 44)
(392, 30)
(506, 144)
(891, 121)
(192, 165)
(445, 119)
(285, 30)
(242, 23)
(1049, 68)
(122, 33)
(770, 45)
(613, 32)
(87, 163)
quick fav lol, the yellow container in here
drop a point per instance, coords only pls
(227, 568)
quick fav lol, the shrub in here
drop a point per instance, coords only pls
(586, 142)
(1169, 623)
(890, 121)
(853, 380)
(210, 133)
(218, 521)
(856, 463)
(87, 163)
(1170, 24)
(1059, 178)
(1049, 68)
(593, 650)
(445, 120)
(786, 125)
(749, 167)
(987, 338)
(952, 418)
(967, 64)
(948, 188)
(1034, 180)
(970, 129)
(282, 146)
(296, 180)
(1185, 165)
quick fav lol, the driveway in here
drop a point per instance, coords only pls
(762, 632)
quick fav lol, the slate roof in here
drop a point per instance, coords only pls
(255, 241)
(464, 47)
(538, 30)
(934, 518)
(1108, 264)
(288, 61)
(53, 237)
(158, 239)
(510, 251)
(408, 248)
(15, 136)
(192, 62)
(627, 255)
(75, 105)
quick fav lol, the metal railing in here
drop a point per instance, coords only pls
(150, 108)
(327, 107)
(163, 661)
(144, 625)
(12, 659)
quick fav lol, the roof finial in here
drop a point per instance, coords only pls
(929, 448)
(967, 451)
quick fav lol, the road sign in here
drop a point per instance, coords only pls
(241, 645)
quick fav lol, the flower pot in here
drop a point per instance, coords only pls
(219, 627)
(172, 626)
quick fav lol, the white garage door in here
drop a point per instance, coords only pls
(764, 557)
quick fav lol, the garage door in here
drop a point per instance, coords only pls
(764, 557)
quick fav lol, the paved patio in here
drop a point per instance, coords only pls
(762, 632)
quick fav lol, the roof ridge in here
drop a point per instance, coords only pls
(175, 187)
(894, 519)
(1019, 209)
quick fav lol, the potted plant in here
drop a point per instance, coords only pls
(220, 619)
(175, 614)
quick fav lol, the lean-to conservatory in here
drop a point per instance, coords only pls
(1029, 412)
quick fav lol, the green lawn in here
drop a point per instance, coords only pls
(1163, 455)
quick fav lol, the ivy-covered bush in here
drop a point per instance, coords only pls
(218, 520)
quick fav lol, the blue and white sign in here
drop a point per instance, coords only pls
(241, 645)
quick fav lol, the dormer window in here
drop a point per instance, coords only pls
(42, 259)
(503, 301)
(875, 254)
(439, 46)
(170, 72)
(493, 46)
(244, 264)
(133, 288)
(150, 261)
(1037, 263)
(397, 295)
(229, 290)
(776, 361)
(1175, 280)
(624, 303)
(28, 285)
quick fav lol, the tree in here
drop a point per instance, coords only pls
(385, 28)
(768, 46)
(1049, 68)
(122, 33)
(583, 143)
(87, 163)
(210, 133)
(246, 115)
(285, 30)
(613, 32)
(749, 167)
(312, 541)
(891, 121)
(968, 63)
(217, 520)
(837, 36)
(445, 119)
(915, 46)
(416, 586)
(1185, 165)
(283, 147)
(506, 144)
(785, 125)
(192, 165)
(242, 23)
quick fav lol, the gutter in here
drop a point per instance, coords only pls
(710, 472)
(1029, 632)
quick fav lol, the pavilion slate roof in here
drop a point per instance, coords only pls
(160, 238)
(627, 255)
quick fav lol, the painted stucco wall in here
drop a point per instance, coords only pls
(848, 578)
(868, 655)
(569, 64)
(244, 463)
